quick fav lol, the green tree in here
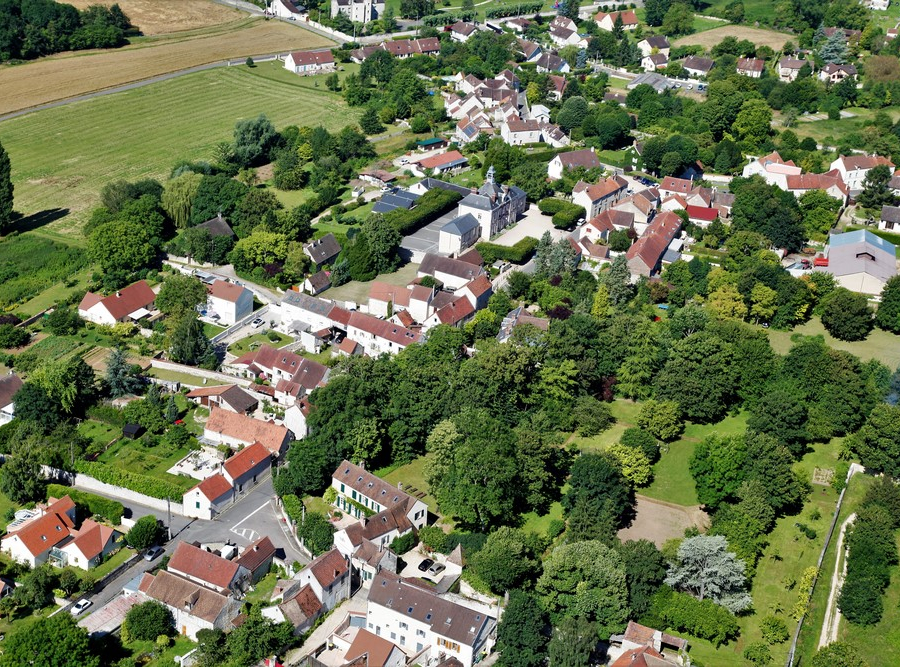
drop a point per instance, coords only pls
(149, 620)
(35, 590)
(656, 11)
(145, 533)
(645, 569)
(70, 382)
(717, 466)
(178, 197)
(758, 654)
(35, 406)
(188, 344)
(754, 121)
(573, 642)
(586, 579)
(6, 192)
(598, 476)
(63, 321)
(782, 414)
(573, 112)
(635, 375)
(877, 443)
(122, 247)
(56, 641)
(847, 315)
(13, 336)
(505, 561)
(383, 241)
(679, 20)
(253, 139)
(634, 463)
(618, 281)
(317, 533)
(834, 50)
(662, 419)
(21, 477)
(876, 191)
(887, 316)
(699, 377)
(121, 377)
(522, 632)
(180, 294)
(367, 437)
(706, 569)
(838, 654)
(369, 122)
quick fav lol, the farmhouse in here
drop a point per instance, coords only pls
(405, 48)
(234, 430)
(654, 62)
(860, 261)
(208, 498)
(697, 66)
(599, 196)
(645, 257)
(9, 385)
(585, 158)
(654, 44)
(461, 31)
(329, 577)
(607, 22)
(229, 301)
(130, 303)
(309, 62)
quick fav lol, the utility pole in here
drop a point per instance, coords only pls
(169, 513)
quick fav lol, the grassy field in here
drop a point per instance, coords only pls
(412, 475)
(758, 36)
(176, 376)
(253, 342)
(358, 292)
(77, 73)
(99, 432)
(151, 461)
(62, 157)
(880, 345)
(828, 131)
(159, 17)
(754, 10)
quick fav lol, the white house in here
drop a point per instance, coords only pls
(530, 50)
(379, 336)
(89, 545)
(834, 73)
(38, 540)
(599, 196)
(829, 183)
(878, 5)
(194, 607)
(859, 261)
(655, 62)
(773, 169)
(286, 9)
(564, 32)
(360, 492)
(419, 620)
(208, 498)
(889, 221)
(292, 375)
(789, 68)
(295, 418)
(461, 31)
(358, 11)
(585, 158)
(752, 67)
(697, 66)
(299, 605)
(226, 396)
(654, 44)
(853, 169)
(9, 385)
(329, 577)
(231, 302)
(517, 132)
(494, 206)
(381, 529)
(208, 569)
(458, 235)
(607, 21)
(130, 303)
(309, 62)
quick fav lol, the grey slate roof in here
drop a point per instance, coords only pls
(323, 250)
(309, 303)
(431, 183)
(461, 226)
(432, 264)
(217, 227)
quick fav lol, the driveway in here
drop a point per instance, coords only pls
(534, 224)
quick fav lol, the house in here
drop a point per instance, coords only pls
(235, 430)
(360, 492)
(558, 86)
(449, 162)
(859, 261)
(891, 33)
(878, 5)
(394, 200)
(773, 169)
(293, 376)
(38, 540)
(848, 34)
(554, 135)
(607, 21)
(377, 177)
(646, 656)
(459, 234)
(599, 196)
(301, 312)
(616, 98)
(585, 158)
(853, 169)
(517, 132)
(469, 129)
(654, 44)
(675, 186)
(300, 607)
(380, 529)
(752, 67)
(368, 650)
(830, 183)
(130, 303)
(379, 336)
(642, 206)
(317, 283)
(645, 256)
(834, 73)
(217, 227)
(229, 301)
(257, 558)
(494, 206)
(654, 62)
(657, 81)
(548, 63)
(358, 11)
(207, 569)
(518, 24)
(789, 68)
(309, 62)
(462, 31)
(531, 51)
(406, 48)
(421, 620)
(9, 385)
(457, 312)
(226, 396)
(540, 113)
(208, 498)
(245, 469)
(701, 216)
(322, 251)
(286, 9)
(329, 577)
(296, 415)
(640, 645)
(89, 545)
(194, 607)
(697, 66)
(602, 225)
(890, 219)
(478, 291)
(564, 32)
(520, 317)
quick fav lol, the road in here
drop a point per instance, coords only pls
(832, 614)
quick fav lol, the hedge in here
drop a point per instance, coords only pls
(150, 486)
(552, 205)
(565, 214)
(514, 10)
(429, 206)
(519, 253)
(111, 510)
(446, 18)
(293, 507)
(107, 414)
(701, 618)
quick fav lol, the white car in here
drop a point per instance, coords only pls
(80, 606)
(257, 323)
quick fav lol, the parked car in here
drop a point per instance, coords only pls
(257, 323)
(80, 606)
(436, 569)
(425, 564)
(152, 553)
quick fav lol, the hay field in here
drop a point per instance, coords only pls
(72, 74)
(62, 157)
(158, 17)
(758, 36)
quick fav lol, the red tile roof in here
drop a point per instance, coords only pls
(246, 460)
(246, 429)
(376, 648)
(853, 162)
(92, 538)
(440, 160)
(455, 311)
(657, 237)
(677, 185)
(328, 567)
(628, 18)
(302, 607)
(214, 487)
(180, 593)
(750, 65)
(312, 58)
(480, 285)
(816, 181)
(203, 565)
(256, 554)
(383, 329)
(124, 302)
(44, 532)
(702, 213)
(226, 291)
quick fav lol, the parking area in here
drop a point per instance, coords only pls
(415, 558)
(426, 239)
(534, 224)
(270, 318)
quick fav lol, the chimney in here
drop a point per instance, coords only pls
(119, 294)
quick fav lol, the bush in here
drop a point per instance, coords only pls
(591, 416)
(317, 533)
(111, 510)
(429, 206)
(701, 618)
(552, 205)
(774, 630)
(555, 528)
(433, 538)
(107, 414)
(404, 543)
(145, 533)
(149, 621)
(519, 253)
(12, 336)
(150, 486)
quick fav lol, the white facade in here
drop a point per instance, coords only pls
(295, 420)
(358, 11)
(285, 9)
(330, 596)
(231, 311)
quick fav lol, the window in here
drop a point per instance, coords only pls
(453, 646)
(393, 635)
(419, 647)
(420, 633)
(198, 504)
(403, 626)
(402, 640)
(342, 488)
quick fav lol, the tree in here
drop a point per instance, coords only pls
(6, 192)
(145, 533)
(532, 178)
(847, 315)
(699, 377)
(754, 121)
(679, 20)
(317, 533)
(834, 50)
(383, 240)
(21, 477)
(586, 579)
(634, 463)
(253, 139)
(656, 11)
(178, 197)
(121, 377)
(56, 641)
(505, 561)
(662, 419)
(34, 405)
(645, 569)
(887, 316)
(63, 321)
(573, 642)
(618, 281)
(706, 569)
(783, 415)
(573, 112)
(13, 336)
(180, 294)
(521, 633)
(877, 443)
(717, 466)
(838, 654)
(876, 191)
(770, 211)
(35, 590)
(369, 122)
(122, 247)
(598, 476)
(758, 654)
(149, 620)
(188, 344)
(69, 382)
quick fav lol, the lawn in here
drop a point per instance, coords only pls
(132, 455)
(113, 562)
(880, 345)
(180, 646)
(412, 476)
(76, 283)
(760, 37)
(540, 524)
(754, 10)
(358, 292)
(176, 376)
(254, 342)
(100, 433)
(212, 330)
(61, 157)
(828, 131)
(262, 590)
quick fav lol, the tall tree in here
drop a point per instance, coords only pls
(645, 569)
(522, 632)
(6, 191)
(717, 466)
(887, 316)
(706, 569)
(573, 642)
(635, 375)
(188, 344)
(876, 192)
(180, 294)
(846, 315)
(178, 196)
(120, 375)
(618, 281)
(21, 477)
(699, 377)
(56, 641)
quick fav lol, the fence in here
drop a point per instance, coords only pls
(88, 483)
(199, 372)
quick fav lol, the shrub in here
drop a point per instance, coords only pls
(12, 336)
(429, 206)
(555, 528)
(111, 510)
(519, 253)
(148, 621)
(107, 414)
(145, 533)
(552, 205)
(404, 543)
(433, 538)
(591, 416)
(317, 533)
(701, 618)
(774, 630)
(150, 486)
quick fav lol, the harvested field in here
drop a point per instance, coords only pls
(158, 17)
(61, 157)
(72, 74)
(710, 38)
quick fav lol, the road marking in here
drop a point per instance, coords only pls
(261, 507)
(248, 533)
